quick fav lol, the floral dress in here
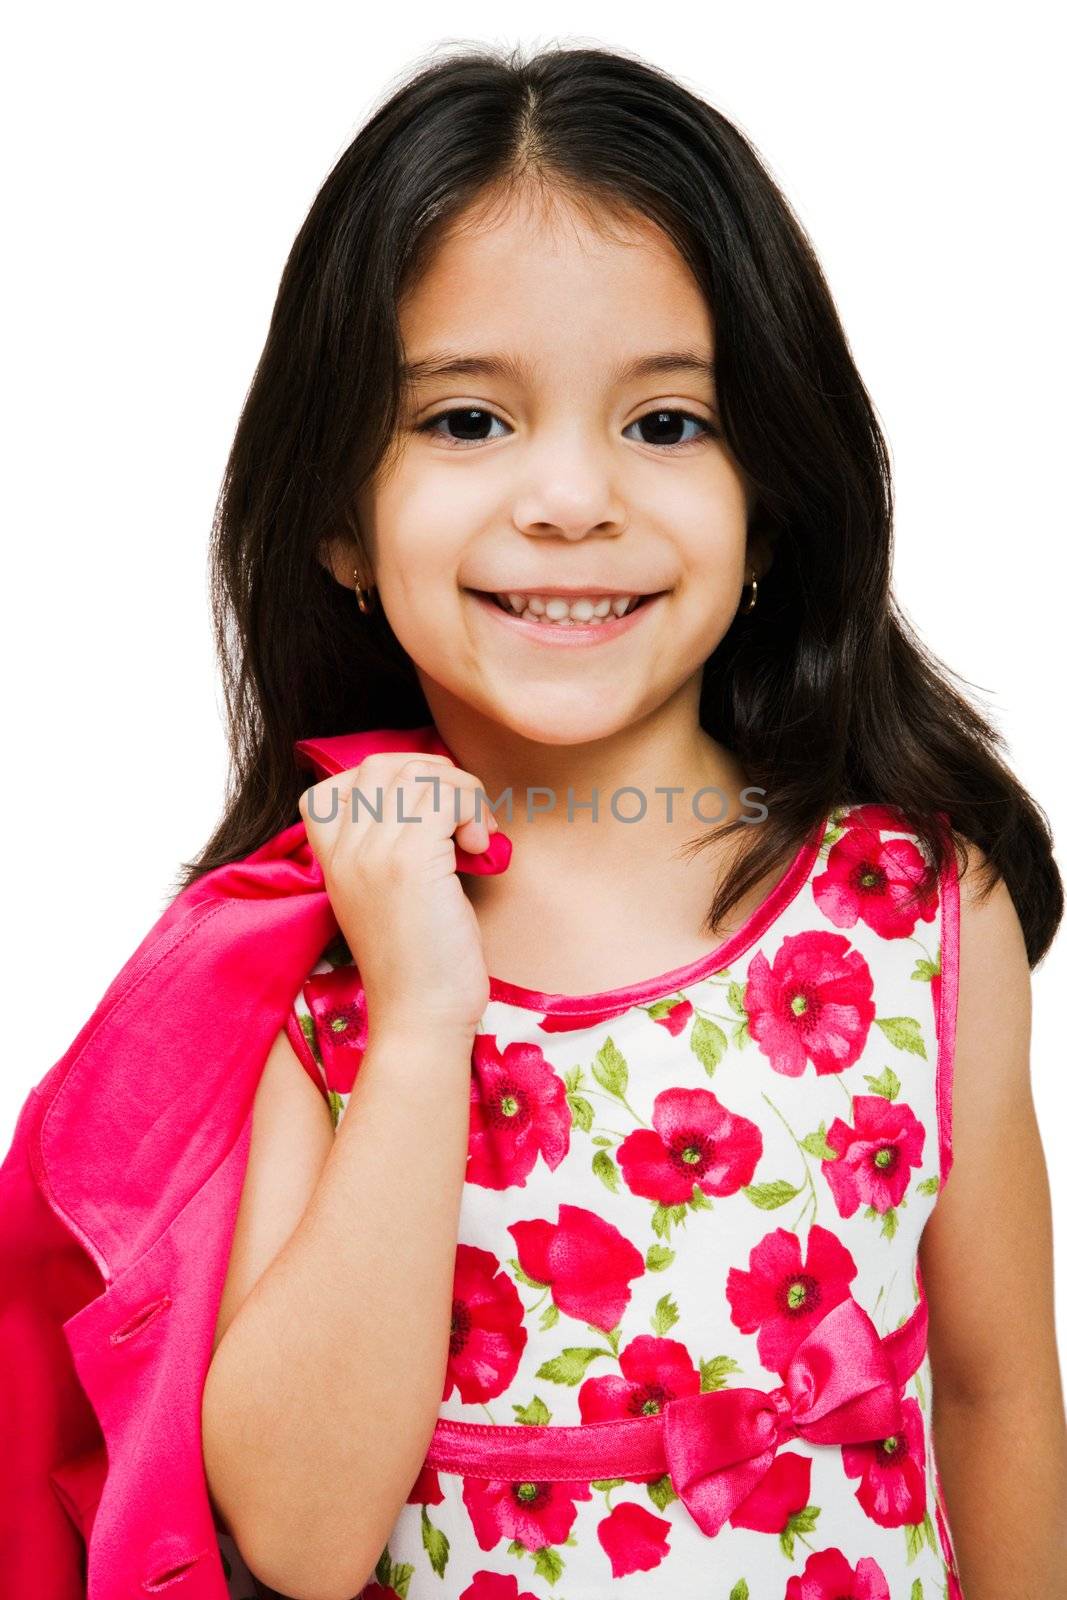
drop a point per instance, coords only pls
(703, 1191)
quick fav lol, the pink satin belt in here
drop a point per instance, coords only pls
(843, 1385)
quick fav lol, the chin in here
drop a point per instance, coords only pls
(565, 723)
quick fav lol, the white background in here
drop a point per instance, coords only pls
(159, 161)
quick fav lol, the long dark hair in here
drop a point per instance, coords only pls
(823, 691)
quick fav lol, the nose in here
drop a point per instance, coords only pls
(574, 495)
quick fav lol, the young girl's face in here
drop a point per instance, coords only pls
(553, 458)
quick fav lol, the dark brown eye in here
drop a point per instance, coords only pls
(462, 425)
(667, 427)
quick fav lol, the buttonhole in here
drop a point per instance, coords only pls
(140, 1319)
(174, 1574)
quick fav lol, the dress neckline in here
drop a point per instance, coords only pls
(755, 924)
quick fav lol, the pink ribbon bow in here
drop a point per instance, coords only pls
(840, 1387)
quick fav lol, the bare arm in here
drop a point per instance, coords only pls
(986, 1254)
(325, 1386)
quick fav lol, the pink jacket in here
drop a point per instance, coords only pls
(118, 1199)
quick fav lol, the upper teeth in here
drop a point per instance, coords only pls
(554, 608)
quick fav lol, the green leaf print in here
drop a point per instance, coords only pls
(917, 1590)
(769, 1196)
(926, 970)
(662, 1008)
(523, 1277)
(435, 1543)
(549, 1317)
(402, 1576)
(601, 1138)
(307, 1028)
(337, 1106)
(915, 1538)
(606, 1171)
(665, 1217)
(393, 1577)
(548, 1564)
(928, 1185)
(536, 1414)
(570, 1365)
(815, 1144)
(904, 1032)
(735, 998)
(661, 1493)
(741, 1034)
(698, 1200)
(581, 1112)
(658, 1257)
(714, 1373)
(887, 1084)
(609, 1068)
(800, 1522)
(604, 1485)
(708, 1043)
(665, 1315)
(739, 1590)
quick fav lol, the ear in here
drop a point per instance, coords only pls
(759, 551)
(342, 557)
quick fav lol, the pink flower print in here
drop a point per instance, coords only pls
(535, 1514)
(426, 1490)
(635, 1540)
(495, 1586)
(487, 1337)
(875, 1157)
(779, 1495)
(654, 1372)
(518, 1111)
(879, 818)
(559, 1023)
(672, 1014)
(696, 1141)
(339, 1007)
(814, 1004)
(892, 1472)
(872, 878)
(587, 1262)
(828, 1576)
(783, 1297)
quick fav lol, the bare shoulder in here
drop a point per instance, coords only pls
(292, 1135)
(992, 1219)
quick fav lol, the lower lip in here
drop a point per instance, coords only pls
(551, 633)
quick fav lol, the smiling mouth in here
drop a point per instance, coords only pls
(591, 610)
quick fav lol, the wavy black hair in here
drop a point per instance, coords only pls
(823, 691)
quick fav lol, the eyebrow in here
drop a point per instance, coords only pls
(509, 368)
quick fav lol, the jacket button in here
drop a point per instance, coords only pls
(140, 1319)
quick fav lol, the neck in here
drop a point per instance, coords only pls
(553, 788)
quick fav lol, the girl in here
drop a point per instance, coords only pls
(593, 1224)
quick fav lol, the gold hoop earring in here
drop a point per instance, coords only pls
(753, 587)
(362, 595)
